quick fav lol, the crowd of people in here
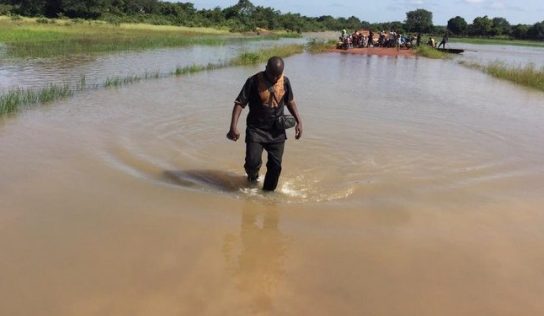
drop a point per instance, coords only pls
(367, 38)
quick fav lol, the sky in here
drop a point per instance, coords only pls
(521, 11)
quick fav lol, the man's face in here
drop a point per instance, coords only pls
(273, 75)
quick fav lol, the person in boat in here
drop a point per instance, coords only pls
(444, 40)
(431, 42)
(267, 93)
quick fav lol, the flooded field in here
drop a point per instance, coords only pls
(511, 55)
(417, 189)
(96, 68)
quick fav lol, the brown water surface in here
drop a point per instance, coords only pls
(417, 189)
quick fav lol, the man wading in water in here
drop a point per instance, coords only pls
(266, 92)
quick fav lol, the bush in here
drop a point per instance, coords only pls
(6, 9)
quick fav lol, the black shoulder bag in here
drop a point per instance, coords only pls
(283, 121)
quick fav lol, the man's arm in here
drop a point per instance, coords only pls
(292, 107)
(233, 133)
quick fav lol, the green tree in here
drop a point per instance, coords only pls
(291, 22)
(329, 22)
(243, 9)
(116, 7)
(6, 8)
(397, 26)
(30, 7)
(241, 16)
(52, 8)
(419, 20)
(266, 18)
(481, 26)
(536, 32)
(88, 9)
(457, 25)
(353, 23)
(133, 7)
(214, 16)
(500, 26)
(520, 31)
(365, 25)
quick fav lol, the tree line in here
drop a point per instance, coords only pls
(245, 16)
(493, 27)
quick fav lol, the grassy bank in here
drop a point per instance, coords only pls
(13, 100)
(429, 52)
(496, 41)
(25, 37)
(529, 76)
(262, 56)
(319, 46)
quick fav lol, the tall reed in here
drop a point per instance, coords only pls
(528, 75)
(13, 99)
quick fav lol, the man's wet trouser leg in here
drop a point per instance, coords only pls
(253, 163)
(254, 152)
(273, 165)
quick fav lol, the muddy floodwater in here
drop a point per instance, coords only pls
(416, 189)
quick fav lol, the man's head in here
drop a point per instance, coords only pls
(274, 68)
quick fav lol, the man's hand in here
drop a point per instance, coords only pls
(292, 107)
(233, 134)
(298, 131)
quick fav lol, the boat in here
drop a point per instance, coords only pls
(451, 50)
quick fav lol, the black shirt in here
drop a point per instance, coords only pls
(263, 112)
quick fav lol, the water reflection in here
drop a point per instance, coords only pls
(256, 256)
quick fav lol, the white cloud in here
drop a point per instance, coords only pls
(473, 1)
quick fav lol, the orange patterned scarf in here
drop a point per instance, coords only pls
(270, 95)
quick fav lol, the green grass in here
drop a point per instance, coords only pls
(29, 38)
(319, 46)
(529, 75)
(13, 100)
(497, 41)
(180, 71)
(71, 46)
(252, 58)
(429, 52)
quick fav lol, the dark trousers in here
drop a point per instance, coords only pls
(253, 163)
